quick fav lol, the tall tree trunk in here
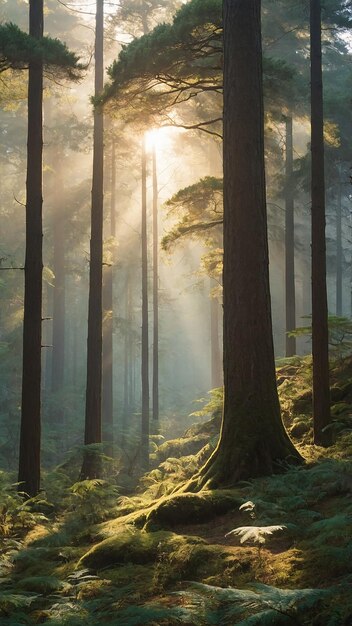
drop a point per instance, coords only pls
(58, 358)
(216, 366)
(145, 321)
(74, 339)
(91, 465)
(339, 250)
(145, 315)
(47, 339)
(127, 356)
(253, 441)
(320, 343)
(131, 353)
(108, 425)
(290, 292)
(155, 295)
(29, 458)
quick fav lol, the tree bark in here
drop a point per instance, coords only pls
(216, 366)
(58, 358)
(145, 321)
(253, 441)
(290, 293)
(320, 340)
(29, 457)
(155, 295)
(108, 420)
(339, 250)
(91, 465)
(127, 356)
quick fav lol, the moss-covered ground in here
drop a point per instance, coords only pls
(161, 557)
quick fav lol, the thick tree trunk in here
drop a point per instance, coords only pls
(320, 343)
(145, 321)
(107, 407)
(339, 250)
(253, 441)
(155, 296)
(290, 292)
(29, 458)
(91, 465)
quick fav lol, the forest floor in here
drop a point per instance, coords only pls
(86, 555)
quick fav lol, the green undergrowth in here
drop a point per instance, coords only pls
(275, 550)
(295, 392)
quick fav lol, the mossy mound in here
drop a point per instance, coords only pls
(175, 510)
(134, 546)
(300, 427)
(295, 392)
(155, 561)
(189, 508)
(184, 446)
(210, 427)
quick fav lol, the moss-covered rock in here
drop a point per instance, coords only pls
(192, 508)
(150, 562)
(299, 429)
(134, 546)
(302, 403)
(128, 546)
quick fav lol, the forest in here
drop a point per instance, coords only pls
(176, 312)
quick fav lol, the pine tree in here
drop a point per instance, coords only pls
(320, 336)
(29, 459)
(91, 464)
(253, 440)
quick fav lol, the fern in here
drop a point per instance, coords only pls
(42, 584)
(154, 614)
(331, 529)
(262, 604)
(93, 500)
(11, 602)
(255, 534)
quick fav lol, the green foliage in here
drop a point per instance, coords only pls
(18, 49)
(93, 500)
(176, 63)
(41, 584)
(17, 515)
(263, 606)
(340, 335)
(213, 406)
(153, 614)
(200, 209)
(13, 602)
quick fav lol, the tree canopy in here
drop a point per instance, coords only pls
(18, 49)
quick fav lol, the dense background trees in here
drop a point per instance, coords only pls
(168, 75)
